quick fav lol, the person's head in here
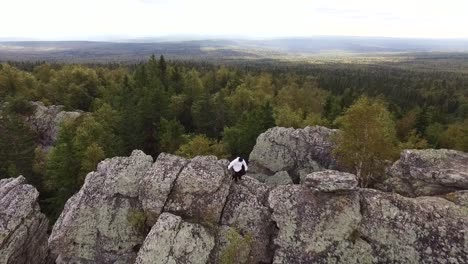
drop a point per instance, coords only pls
(240, 159)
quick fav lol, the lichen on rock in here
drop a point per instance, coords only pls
(23, 228)
(172, 240)
(293, 150)
(429, 172)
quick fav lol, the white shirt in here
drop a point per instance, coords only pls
(237, 165)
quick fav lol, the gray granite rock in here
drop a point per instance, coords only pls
(331, 181)
(292, 150)
(46, 121)
(104, 221)
(279, 178)
(23, 228)
(366, 226)
(172, 240)
(248, 216)
(429, 172)
(200, 191)
(158, 183)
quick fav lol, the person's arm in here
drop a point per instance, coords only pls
(245, 164)
(231, 164)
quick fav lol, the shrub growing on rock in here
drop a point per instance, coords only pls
(367, 140)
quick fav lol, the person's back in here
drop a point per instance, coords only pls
(239, 166)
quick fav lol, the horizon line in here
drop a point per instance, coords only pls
(192, 37)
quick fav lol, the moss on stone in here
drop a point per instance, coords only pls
(237, 249)
(136, 219)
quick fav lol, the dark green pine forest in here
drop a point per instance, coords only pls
(200, 108)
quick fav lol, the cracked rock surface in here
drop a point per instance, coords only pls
(104, 221)
(429, 172)
(331, 181)
(178, 210)
(293, 150)
(23, 228)
(247, 213)
(366, 226)
(172, 240)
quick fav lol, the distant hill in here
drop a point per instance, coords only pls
(216, 49)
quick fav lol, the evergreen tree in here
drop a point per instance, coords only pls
(241, 138)
(17, 145)
(63, 168)
(170, 135)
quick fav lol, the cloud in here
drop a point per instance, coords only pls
(81, 19)
(155, 2)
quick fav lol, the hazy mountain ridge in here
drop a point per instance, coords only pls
(91, 51)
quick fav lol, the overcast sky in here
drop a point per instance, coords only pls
(101, 19)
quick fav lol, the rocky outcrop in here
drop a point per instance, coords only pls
(429, 172)
(158, 183)
(23, 228)
(177, 210)
(46, 120)
(293, 150)
(421, 230)
(331, 181)
(279, 178)
(311, 224)
(366, 226)
(200, 190)
(172, 240)
(247, 220)
(104, 221)
(109, 218)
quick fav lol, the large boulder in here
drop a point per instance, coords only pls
(279, 178)
(293, 150)
(104, 221)
(23, 228)
(366, 226)
(408, 230)
(172, 240)
(429, 172)
(158, 183)
(46, 120)
(311, 224)
(200, 191)
(331, 181)
(247, 220)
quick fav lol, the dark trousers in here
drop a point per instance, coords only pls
(238, 174)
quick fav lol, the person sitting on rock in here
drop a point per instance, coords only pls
(239, 166)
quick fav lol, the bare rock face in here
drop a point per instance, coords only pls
(311, 224)
(279, 178)
(420, 230)
(195, 213)
(158, 183)
(46, 121)
(247, 220)
(172, 240)
(104, 221)
(458, 198)
(293, 150)
(366, 226)
(200, 191)
(429, 172)
(331, 181)
(23, 228)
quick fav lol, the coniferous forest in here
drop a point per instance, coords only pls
(200, 108)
